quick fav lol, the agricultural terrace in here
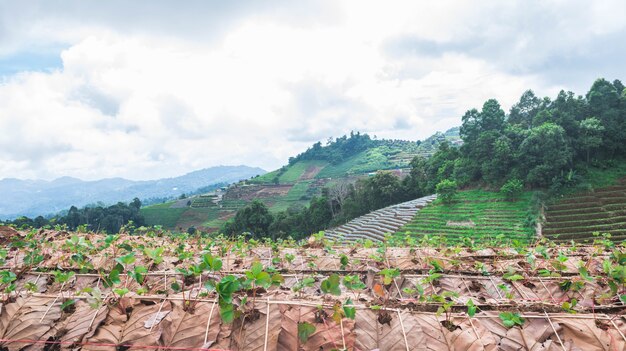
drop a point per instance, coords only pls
(475, 215)
(578, 216)
(85, 291)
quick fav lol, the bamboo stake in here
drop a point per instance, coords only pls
(208, 323)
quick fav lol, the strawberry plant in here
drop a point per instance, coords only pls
(511, 319)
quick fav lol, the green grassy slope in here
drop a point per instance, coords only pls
(600, 208)
(476, 214)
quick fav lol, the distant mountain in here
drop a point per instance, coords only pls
(38, 197)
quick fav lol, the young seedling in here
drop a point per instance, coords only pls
(331, 285)
(305, 330)
(511, 319)
(354, 283)
(304, 283)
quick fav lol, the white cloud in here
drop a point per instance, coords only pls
(142, 102)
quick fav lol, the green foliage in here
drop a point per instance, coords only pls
(353, 282)
(511, 319)
(331, 285)
(109, 219)
(305, 330)
(258, 277)
(471, 308)
(254, 218)
(350, 312)
(512, 189)
(388, 275)
(447, 190)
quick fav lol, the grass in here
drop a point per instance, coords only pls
(296, 195)
(165, 216)
(163, 205)
(295, 171)
(598, 177)
(490, 215)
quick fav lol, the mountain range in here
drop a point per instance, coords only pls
(40, 197)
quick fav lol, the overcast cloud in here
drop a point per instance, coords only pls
(149, 89)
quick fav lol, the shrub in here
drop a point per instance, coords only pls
(446, 190)
(512, 189)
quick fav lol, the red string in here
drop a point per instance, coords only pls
(28, 341)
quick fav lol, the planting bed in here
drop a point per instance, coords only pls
(376, 224)
(492, 218)
(69, 291)
(578, 216)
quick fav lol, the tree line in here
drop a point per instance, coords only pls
(108, 219)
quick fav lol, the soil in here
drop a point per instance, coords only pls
(311, 172)
(6, 233)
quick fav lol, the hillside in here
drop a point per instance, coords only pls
(173, 292)
(601, 209)
(294, 184)
(37, 197)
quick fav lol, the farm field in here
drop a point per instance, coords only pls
(85, 291)
(171, 218)
(377, 224)
(476, 215)
(578, 216)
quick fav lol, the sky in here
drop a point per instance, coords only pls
(150, 89)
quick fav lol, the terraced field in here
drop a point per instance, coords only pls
(578, 216)
(477, 215)
(375, 225)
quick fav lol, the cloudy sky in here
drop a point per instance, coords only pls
(149, 89)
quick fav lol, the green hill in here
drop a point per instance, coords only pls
(293, 185)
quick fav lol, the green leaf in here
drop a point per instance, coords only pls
(584, 273)
(127, 259)
(343, 260)
(256, 269)
(121, 292)
(277, 279)
(388, 275)
(304, 331)
(510, 319)
(263, 280)
(353, 282)
(67, 304)
(175, 286)
(471, 308)
(331, 285)
(227, 312)
(350, 312)
(211, 263)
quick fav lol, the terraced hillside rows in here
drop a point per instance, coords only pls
(476, 215)
(85, 291)
(577, 217)
(376, 224)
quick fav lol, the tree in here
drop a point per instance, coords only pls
(254, 218)
(337, 195)
(590, 134)
(524, 112)
(512, 189)
(446, 190)
(545, 154)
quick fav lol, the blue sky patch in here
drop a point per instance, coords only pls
(44, 61)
